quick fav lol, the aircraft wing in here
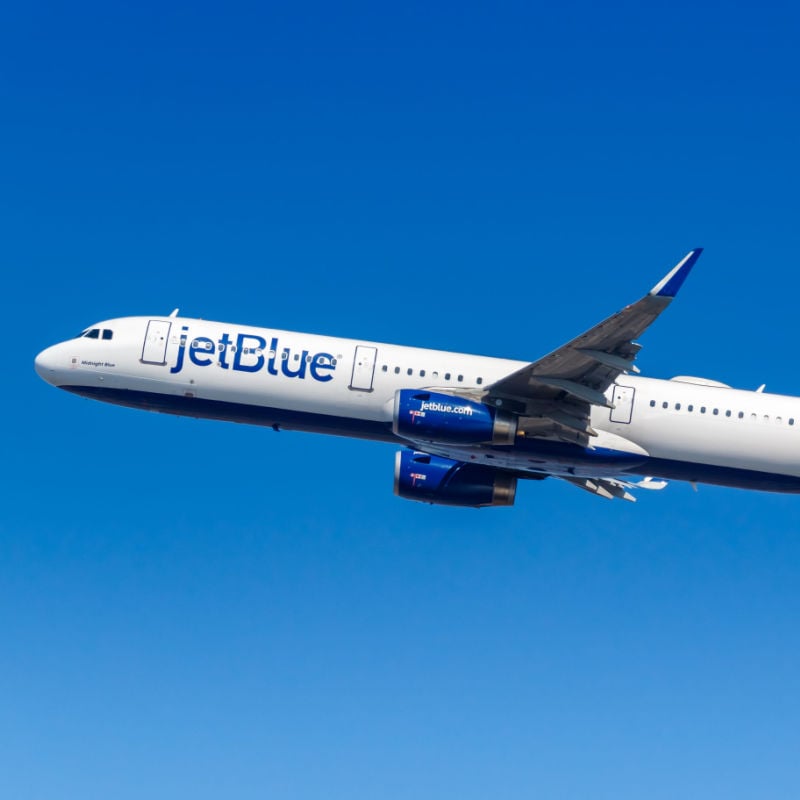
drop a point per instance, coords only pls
(553, 395)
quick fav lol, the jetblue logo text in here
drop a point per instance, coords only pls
(445, 408)
(249, 353)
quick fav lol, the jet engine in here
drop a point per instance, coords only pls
(434, 479)
(434, 417)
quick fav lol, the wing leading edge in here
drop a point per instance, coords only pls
(553, 395)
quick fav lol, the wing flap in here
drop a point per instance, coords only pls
(603, 487)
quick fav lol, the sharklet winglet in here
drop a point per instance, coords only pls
(672, 282)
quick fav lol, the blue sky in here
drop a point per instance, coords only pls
(198, 609)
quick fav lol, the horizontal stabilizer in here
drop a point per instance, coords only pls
(650, 483)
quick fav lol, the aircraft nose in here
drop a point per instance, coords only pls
(46, 364)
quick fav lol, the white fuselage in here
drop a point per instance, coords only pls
(669, 428)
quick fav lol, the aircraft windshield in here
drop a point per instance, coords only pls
(95, 333)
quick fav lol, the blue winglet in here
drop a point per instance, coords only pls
(670, 285)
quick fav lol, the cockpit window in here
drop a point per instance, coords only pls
(96, 333)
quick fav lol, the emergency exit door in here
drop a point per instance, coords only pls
(155, 342)
(623, 404)
(363, 368)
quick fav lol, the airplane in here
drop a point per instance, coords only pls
(469, 427)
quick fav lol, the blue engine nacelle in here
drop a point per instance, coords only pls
(433, 479)
(434, 417)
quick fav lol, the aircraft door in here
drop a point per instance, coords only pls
(156, 339)
(363, 368)
(623, 404)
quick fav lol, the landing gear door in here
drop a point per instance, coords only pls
(363, 368)
(156, 339)
(623, 404)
